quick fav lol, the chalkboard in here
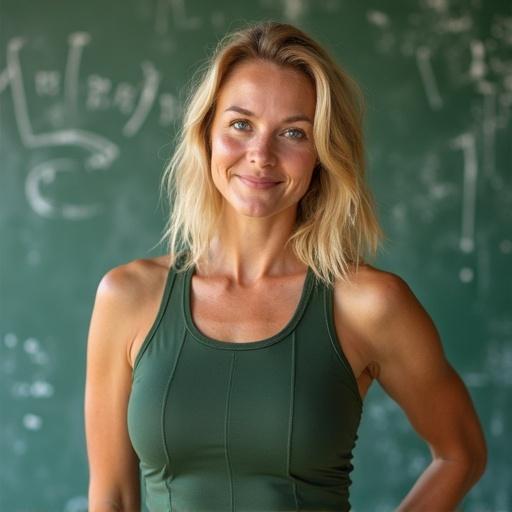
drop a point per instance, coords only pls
(90, 99)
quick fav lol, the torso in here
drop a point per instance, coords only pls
(256, 318)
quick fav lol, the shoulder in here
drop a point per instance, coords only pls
(124, 291)
(374, 293)
(379, 306)
(126, 282)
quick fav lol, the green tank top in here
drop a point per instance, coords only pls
(263, 426)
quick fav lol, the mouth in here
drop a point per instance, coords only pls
(260, 183)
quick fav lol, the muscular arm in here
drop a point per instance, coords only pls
(113, 465)
(414, 371)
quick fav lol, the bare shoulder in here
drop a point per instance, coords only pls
(371, 309)
(378, 292)
(128, 294)
(126, 282)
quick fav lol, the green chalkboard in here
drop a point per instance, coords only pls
(90, 98)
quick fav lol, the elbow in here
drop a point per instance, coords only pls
(476, 464)
(113, 501)
(480, 465)
(480, 459)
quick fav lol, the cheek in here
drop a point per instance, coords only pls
(224, 146)
(299, 160)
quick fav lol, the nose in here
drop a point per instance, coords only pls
(261, 151)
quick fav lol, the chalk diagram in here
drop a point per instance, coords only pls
(101, 152)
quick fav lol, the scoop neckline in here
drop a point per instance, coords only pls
(250, 345)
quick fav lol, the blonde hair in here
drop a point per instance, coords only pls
(336, 224)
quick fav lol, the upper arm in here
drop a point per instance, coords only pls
(414, 371)
(113, 465)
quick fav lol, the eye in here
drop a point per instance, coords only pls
(238, 124)
(296, 133)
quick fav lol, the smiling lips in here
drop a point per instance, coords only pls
(258, 182)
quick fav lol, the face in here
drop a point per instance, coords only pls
(262, 148)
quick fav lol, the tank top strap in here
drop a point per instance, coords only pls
(319, 319)
(164, 300)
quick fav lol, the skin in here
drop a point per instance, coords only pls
(384, 331)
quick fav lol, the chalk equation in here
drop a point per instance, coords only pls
(102, 94)
(447, 42)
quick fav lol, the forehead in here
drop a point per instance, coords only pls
(257, 82)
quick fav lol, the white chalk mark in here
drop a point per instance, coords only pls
(124, 97)
(104, 151)
(31, 346)
(5, 79)
(47, 83)
(427, 76)
(98, 89)
(497, 424)
(10, 340)
(457, 25)
(489, 128)
(175, 9)
(476, 380)
(40, 358)
(437, 5)
(45, 174)
(76, 41)
(294, 10)
(41, 389)
(466, 274)
(20, 389)
(32, 421)
(499, 362)
(466, 142)
(77, 504)
(147, 98)
(416, 465)
(378, 18)
(170, 109)
(506, 246)
(477, 67)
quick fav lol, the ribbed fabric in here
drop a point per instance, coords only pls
(264, 426)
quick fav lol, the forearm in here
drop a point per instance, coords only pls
(440, 487)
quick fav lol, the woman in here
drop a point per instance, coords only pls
(233, 370)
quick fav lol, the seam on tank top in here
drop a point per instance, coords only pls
(290, 421)
(162, 418)
(335, 345)
(226, 432)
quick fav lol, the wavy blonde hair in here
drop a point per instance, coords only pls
(336, 223)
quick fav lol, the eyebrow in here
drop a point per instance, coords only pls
(291, 119)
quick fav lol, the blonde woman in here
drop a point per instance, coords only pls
(230, 374)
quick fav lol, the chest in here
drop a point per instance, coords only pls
(249, 315)
(243, 315)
